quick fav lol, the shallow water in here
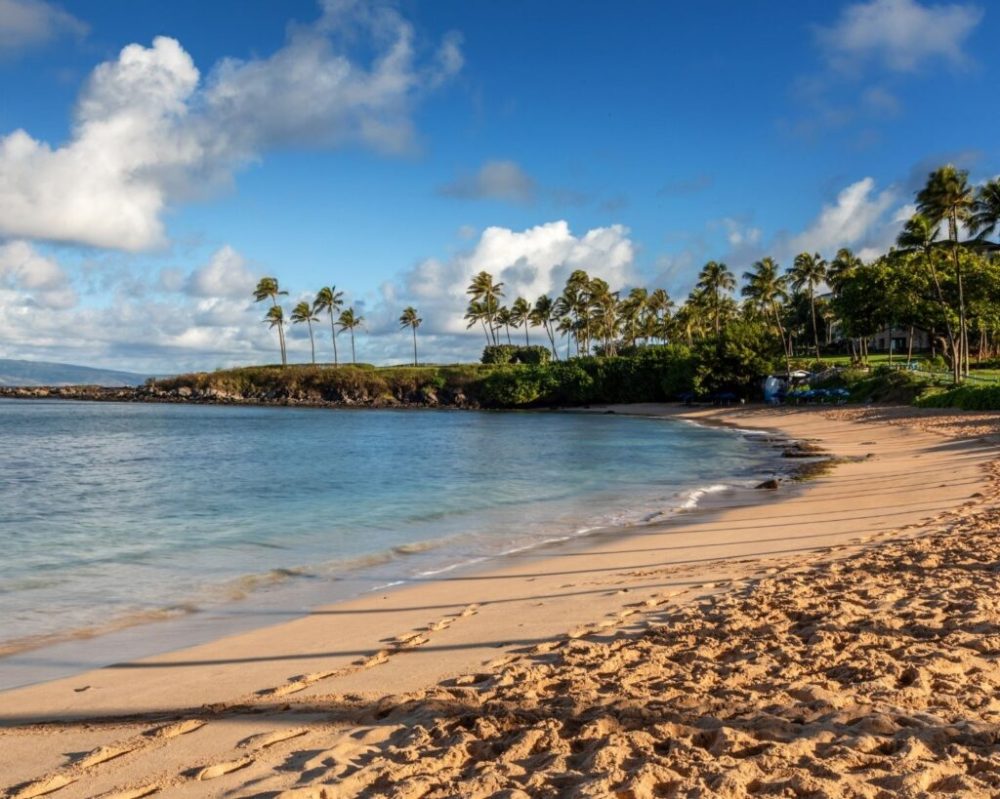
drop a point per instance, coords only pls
(117, 511)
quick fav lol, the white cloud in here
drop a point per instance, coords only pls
(31, 23)
(148, 132)
(848, 222)
(225, 275)
(529, 263)
(33, 279)
(495, 180)
(903, 34)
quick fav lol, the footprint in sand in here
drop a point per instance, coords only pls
(471, 610)
(177, 728)
(221, 769)
(134, 793)
(264, 740)
(102, 755)
(43, 786)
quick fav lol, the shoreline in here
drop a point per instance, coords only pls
(328, 674)
(290, 593)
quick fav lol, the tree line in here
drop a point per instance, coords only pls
(942, 277)
(330, 301)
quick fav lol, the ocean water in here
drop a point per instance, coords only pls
(115, 513)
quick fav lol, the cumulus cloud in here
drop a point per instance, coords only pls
(33, 279)
(225, 275)
(529, 263)
(495, 180)
(149, 131)
(25, 24)
(848, 222)
(902, 34)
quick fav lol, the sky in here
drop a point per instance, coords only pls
(157, 159)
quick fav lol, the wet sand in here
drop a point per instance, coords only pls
(838, 639)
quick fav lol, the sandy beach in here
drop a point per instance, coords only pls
(838, 638)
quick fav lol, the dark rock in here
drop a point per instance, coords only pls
(771, 485)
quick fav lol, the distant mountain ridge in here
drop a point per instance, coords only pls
(43, 373)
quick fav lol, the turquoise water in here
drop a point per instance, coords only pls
(116, 511)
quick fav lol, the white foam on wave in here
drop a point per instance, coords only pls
(694, 496)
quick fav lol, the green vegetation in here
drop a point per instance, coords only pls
(967, 397)
(942, 278)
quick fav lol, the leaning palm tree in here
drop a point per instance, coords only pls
(808, 272)
(503, 319)
(715, 281)
(330, 300)
(348, 320)
(660, 306)
(520, 314)
(275, 318)
(476, 312)
(542, 316)
(410, 319)
(268, 289)
(482, 289)
(947, 196)
(303, 312)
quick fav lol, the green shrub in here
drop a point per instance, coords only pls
(969, 398)
(533, 355)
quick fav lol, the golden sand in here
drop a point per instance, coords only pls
(842, 640)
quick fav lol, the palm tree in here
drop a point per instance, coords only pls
(476, 312)
(330, 300)
(267, 288)
(520, 314)
(348, 321)
(303, 312)
(765, 288)
(275, 318)
(482, 289)
(714, 282)
(504, 319)
(808, 272)
(633, 309)
(986, 212)
(660, 306)
(410, 319)
(948, 196)
(840, 269)
(575, 301)
(542, 315)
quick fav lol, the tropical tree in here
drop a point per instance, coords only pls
(633, 310)
(275, 318)
(488, 294)
(839, 270)
(948, 197)
(765, 289)
(520, 314)
(267, 288)
(504, 319)
(330, 300)
(920, 235)
(348, 320)
(715, 282)
(303, 312)
(807, 273)
(475, 314)
(986, 211)
(410, 319)
(542, 315)
(659, 306)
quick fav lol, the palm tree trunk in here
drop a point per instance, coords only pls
(414, 346)
(354, 358)
(333, 333)
(888, 340)
(963, 333)
(281, 336)
(527, 343)
(812, 305)
(312, 341)
(909, 347)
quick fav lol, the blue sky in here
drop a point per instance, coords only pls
(156, 159)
